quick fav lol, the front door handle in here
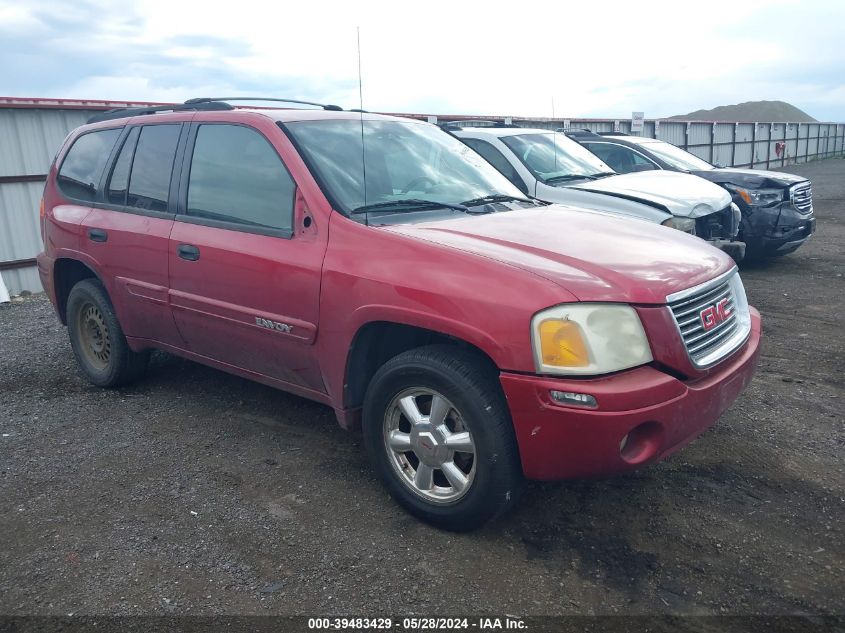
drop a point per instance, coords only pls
(188, 251)
(97, 235)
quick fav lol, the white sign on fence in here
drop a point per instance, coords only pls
(637, 121)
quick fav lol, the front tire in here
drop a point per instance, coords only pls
(97, 339)
(438, 431)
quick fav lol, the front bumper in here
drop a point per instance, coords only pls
(787, 238)
(735, 249)
(776, 230)
(721, 228)
(642, 415)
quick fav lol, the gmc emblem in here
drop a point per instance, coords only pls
(711, 316)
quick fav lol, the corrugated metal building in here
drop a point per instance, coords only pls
(31, 131)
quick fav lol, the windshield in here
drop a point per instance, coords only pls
(676, 157)
(553, 156)
(404, 162)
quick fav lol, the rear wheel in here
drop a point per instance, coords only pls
(97, 339)
(438, 430)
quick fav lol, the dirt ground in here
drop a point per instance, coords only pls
(195, 492)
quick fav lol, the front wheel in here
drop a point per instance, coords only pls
(438, 431)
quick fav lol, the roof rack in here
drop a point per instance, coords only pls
(200, 104)
(578, 132)
(122, 113)
(457, 125)
(199, 100)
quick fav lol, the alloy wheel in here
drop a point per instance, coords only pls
(429, 445)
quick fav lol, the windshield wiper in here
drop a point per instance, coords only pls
(407, 204)
(568, 177)
(496, 197)
(602, 174)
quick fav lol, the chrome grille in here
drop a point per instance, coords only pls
(706, 346)
(802, 197)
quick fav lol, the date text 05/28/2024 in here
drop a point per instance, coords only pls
(418, 624)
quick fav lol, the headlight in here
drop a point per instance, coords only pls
(736, 219)
(687, 225)
(588, 339)
(758, 197)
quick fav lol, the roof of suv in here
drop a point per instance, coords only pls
(284, 116)
(490, 130)
(634, 140)
(622, 139)
(275, 114)
(313, 115)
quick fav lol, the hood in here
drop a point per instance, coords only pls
(592, 255)
(751, 178)
(680, 194)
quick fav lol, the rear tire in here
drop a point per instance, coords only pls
(97, 338)
(438, 431)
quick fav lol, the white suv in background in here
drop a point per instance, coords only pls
(549, 166)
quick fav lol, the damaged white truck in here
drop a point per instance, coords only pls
(549, 166)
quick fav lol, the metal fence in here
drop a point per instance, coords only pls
(31, 131)
(727, 144)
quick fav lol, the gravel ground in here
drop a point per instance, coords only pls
(195, 492)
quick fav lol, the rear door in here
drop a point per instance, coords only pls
(79, 181)
(245, 259)
(128, 229)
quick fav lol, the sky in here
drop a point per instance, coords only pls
(522, 58)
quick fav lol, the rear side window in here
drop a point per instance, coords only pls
(237, 176)
(81, 171)
(149, 180)
(119, 181)
(621, 159)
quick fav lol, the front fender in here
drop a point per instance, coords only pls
(430, 321)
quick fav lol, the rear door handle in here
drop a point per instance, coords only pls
(188, 251)
(97, 235)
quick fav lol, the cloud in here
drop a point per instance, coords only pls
(435, 58)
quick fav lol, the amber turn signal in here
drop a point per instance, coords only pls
(562, 345)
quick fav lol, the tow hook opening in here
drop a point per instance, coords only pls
(642, 443)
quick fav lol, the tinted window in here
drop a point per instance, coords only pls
(497, 159)
(119, 181)
(621, 159)
(676, 157)
(150, 180)
(82, 169)
(237, 176)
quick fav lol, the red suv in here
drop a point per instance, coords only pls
(380, 266)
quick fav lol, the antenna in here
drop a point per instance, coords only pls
(554, 137)
(361, 108)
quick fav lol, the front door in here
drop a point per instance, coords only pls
(244, 286)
